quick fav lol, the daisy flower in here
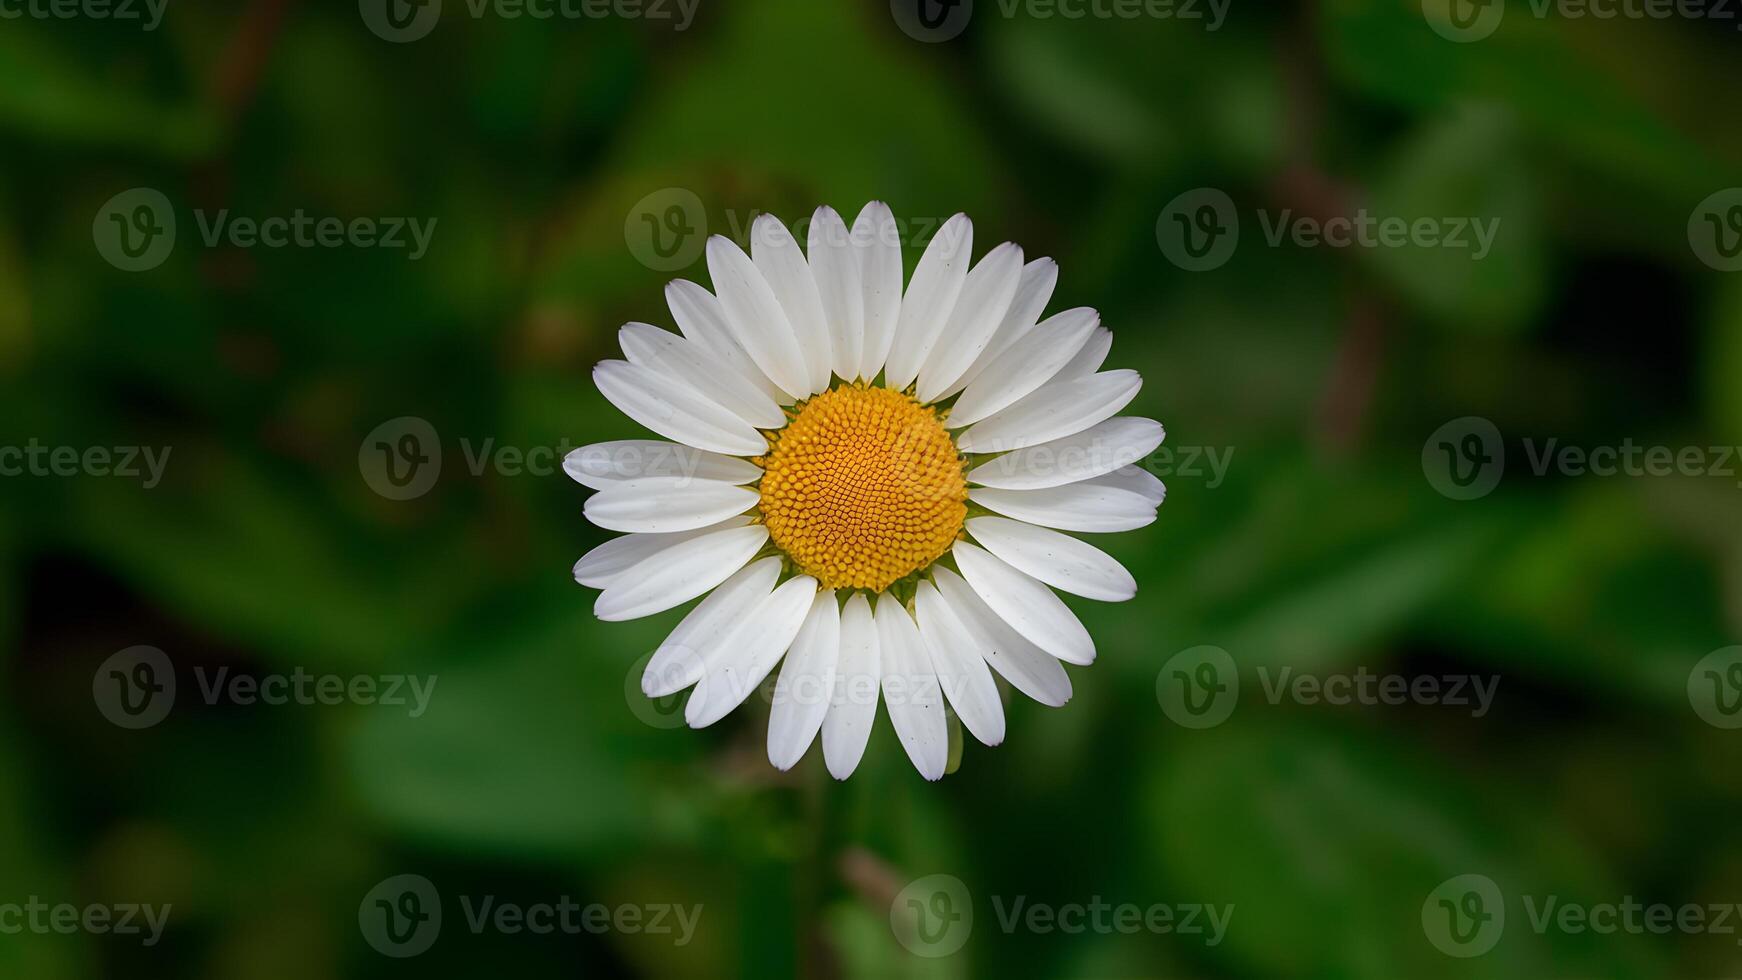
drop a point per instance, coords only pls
(868, 481)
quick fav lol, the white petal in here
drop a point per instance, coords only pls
(602, 566)
(699, 369)
(929, 300)
(961, 666)
(910, 689)
(1058, 560)
(1028, 606)
(604, 463)
(1032, 293)
(666, 503)
(750, 652)
(1027, 365)
(1057, 409)
(1027, 667)
(1088, 505)
(806, 684)
(673, 411)
(1135, 479)
(675, 575)
(841, 285)
(756, 318)
(877, 242)
(700, 318)
(1097, 450)
(985, 298)
(1090, 358)
(777, 255)
(858, 675)
(682, 658)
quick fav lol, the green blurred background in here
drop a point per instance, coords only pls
(538, 771)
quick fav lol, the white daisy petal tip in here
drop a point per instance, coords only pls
(806, 683)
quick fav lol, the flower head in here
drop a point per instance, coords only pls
(867, 481)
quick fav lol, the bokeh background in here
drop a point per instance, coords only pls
(538, 772)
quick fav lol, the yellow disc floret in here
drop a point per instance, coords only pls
(863, 488)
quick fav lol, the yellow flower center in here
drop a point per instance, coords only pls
(863, 488)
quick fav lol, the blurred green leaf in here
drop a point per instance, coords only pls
(808, 148)
(234, 549)
(1388, 50)
(15, 325)
(46, 94)
(27, 868)
(1723, 360)
(1328, 844)
(1072, 86)
(1595, 594)
(1466, 168)
(531, 746)
(1298, 564)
